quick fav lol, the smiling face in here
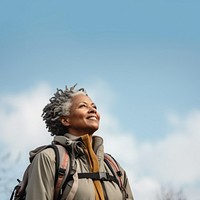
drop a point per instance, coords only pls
(83, 118)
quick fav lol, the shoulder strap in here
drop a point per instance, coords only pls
(62, 168)
(114, 167)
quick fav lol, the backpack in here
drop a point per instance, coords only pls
(62, 168)
(61, 157)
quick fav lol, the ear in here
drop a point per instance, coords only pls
(65, 121)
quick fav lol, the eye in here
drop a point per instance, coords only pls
(95, 107)
(82, 105)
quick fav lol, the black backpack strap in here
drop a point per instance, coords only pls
(105, 176)
(57, 162)
(102, 176)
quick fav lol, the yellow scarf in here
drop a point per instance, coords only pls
(94, 165)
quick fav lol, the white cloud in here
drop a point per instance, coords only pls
(175, 159)
(21, 122)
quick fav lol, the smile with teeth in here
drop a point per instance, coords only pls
(92, 117)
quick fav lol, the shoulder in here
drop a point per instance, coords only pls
(45, 155)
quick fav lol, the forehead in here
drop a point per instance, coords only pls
(79, 98)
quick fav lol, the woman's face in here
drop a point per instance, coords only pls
(83, 118)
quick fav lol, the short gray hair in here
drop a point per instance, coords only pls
(59, 106)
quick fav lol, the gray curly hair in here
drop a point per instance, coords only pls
(59, 106)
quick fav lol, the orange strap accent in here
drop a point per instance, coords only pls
(63, 166)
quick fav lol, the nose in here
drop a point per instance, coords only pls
(92, 109)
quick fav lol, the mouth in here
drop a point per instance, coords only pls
(92, 117)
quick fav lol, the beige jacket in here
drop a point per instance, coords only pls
(83, 154)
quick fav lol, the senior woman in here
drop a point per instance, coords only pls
(72, 118)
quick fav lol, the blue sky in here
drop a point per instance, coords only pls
(139, 59)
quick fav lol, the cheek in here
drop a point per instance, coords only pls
(78, 118)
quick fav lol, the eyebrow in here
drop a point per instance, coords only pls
(87, 103)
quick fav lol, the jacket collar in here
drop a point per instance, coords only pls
(70, 141)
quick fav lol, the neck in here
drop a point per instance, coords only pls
(80, 134)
